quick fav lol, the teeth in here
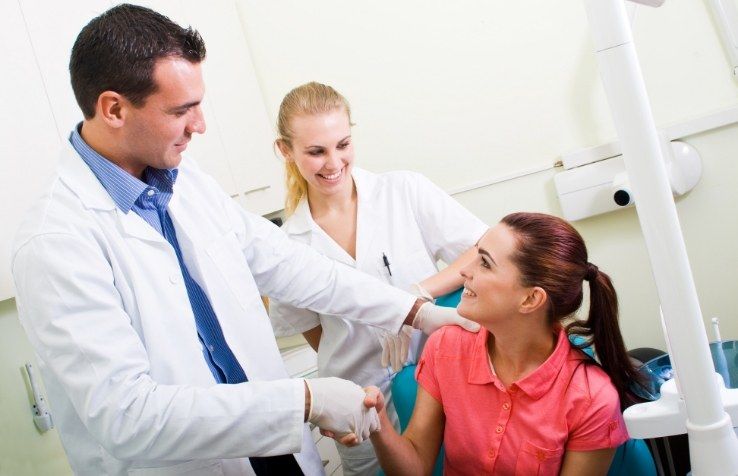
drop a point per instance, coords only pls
(332, 176)
(469, 293)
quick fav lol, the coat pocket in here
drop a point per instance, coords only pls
(538, 461)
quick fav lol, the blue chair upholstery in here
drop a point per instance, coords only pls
(632, 458)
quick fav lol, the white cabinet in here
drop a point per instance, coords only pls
(29, 141)
(39, 109)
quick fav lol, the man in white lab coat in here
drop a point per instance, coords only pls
(138, 283)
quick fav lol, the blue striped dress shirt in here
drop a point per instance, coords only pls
(149, 199)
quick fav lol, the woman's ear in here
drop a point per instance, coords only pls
(284, 149)
(534, 300)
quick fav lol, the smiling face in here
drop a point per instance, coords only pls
(323, 151)
(492, 289)
(156, 133)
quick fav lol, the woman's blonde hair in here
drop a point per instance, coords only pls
(307, 99)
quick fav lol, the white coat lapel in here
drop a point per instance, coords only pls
(368, 216)
(75, 173)
(303, 228)
(300, 223)
(189, 232)
(133, 225)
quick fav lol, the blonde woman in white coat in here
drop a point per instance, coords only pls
(394, 226)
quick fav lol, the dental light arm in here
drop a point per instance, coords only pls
(713, 445)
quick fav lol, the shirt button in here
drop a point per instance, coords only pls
(150, 193)
(505, 406)
(499, 429)
(491, 453)
(174, 279)
(540, 455)
(211, 348)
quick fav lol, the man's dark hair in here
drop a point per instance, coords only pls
(117, 51)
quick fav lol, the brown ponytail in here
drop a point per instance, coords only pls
(551, 254)
(601, 329)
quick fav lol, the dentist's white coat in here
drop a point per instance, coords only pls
(101, 297)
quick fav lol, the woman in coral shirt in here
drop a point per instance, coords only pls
(518, 398)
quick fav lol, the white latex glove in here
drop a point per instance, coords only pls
(337, 405)
(430, 318)
(420, 292)
(395, 347)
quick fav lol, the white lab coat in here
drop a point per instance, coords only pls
(101, 297)
(414, 223)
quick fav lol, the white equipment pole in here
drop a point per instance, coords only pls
(713, 445)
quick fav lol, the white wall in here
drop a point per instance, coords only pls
(469, 90)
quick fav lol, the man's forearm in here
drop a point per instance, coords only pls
(413, 311)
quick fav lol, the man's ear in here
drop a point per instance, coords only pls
(534, 300)
(111, 108)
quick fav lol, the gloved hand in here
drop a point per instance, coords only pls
(395, 347)
(373, 399)
(337, 405)
(420, 292)
(430, 318)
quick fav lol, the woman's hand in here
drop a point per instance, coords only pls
(374, 398)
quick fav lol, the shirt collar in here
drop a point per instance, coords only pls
(535, 384)
(123, 187)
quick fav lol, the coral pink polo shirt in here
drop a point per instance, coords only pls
(568, 403)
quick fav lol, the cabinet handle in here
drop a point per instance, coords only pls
(257, 189)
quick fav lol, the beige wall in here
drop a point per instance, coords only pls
(23, 450)
(466, 90)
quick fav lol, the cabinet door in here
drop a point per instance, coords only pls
(39, 108)
(29, 142)
(234, 91)
(52, 28)
(237, 147)
(209, 149)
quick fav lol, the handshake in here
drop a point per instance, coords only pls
(340, 408)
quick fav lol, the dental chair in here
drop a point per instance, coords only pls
(632, 458)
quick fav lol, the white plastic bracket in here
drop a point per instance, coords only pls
(603, 186)
(41, 415)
